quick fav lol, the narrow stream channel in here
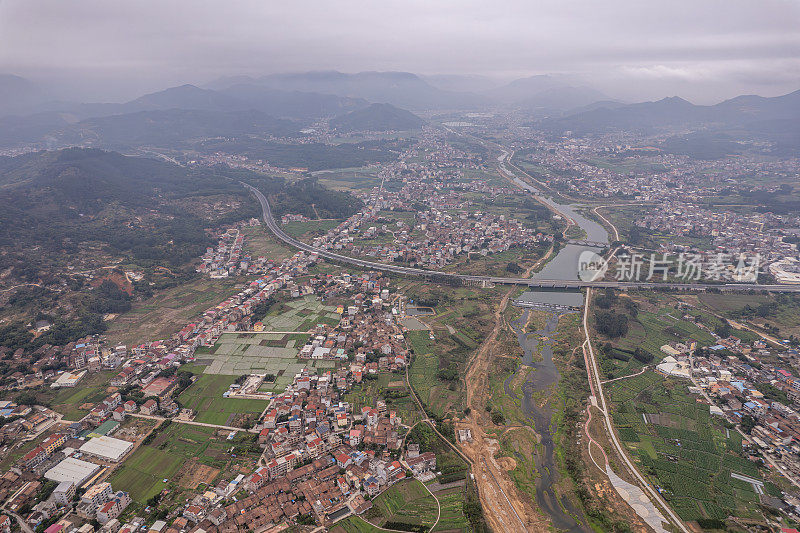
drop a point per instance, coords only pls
(544, 375)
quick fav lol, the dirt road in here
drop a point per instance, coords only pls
(506, 508)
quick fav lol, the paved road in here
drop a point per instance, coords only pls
(275, 228)
(639, 373)
(21, 521)
(597, 387)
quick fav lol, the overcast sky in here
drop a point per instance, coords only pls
(704, 50)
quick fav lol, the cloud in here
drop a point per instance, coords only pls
(151, 42)
(660, 72)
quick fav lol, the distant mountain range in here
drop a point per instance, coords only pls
(706, 132)
(377, 117)
(187, 112)
(402, 89)
(462, 83)
(169, 127)
(242, 97)
(282, 104)
(677, 112)
(18, 95)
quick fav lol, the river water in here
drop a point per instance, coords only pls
(565, 515)
(565, 264)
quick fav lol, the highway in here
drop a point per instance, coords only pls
(275, 228)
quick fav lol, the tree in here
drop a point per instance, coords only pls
(447, 374)
(772, 392)
(25, 398)
(642, 356)
(611, 324)
(513, 267)
(306, 519)
(748, 423)
(723, 329)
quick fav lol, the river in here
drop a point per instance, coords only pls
(564, 514)
(542, 377)
(565, 264)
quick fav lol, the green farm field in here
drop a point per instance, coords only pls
(354, 524)
(452, 516)
(173, 455)
(390, 386)
(683, 449)
(310, 229)
(204, 396)
(459, 325)
(91, 389)
(408, 502)
(168, 311)
(260, 242)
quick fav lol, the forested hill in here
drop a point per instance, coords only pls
(307, 197)
(87, 180)
(58, 200)
(133, 205)
(378, 117)
(64, 214)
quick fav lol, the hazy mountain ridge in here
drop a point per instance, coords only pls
(293, 104)
(266, 105)
(402, 89)
(377, 117)
(174, 126)
(675, 111)
(19, 95)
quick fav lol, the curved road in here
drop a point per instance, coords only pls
(597, 390)
(543, 283)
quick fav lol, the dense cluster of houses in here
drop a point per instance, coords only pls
(99, 501)
(729, 232)
(436, 236)
(366, 333)
(69, 457)
(769, 394)
(334, 457)
(229, 258)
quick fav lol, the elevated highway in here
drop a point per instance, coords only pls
(275, 228)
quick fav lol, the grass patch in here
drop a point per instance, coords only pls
(204, 396)
(520, 445)
(407, 502)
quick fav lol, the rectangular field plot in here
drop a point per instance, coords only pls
(274, 350)
(204, 397)
(236, 354)
(180, 458)
(301, 314)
